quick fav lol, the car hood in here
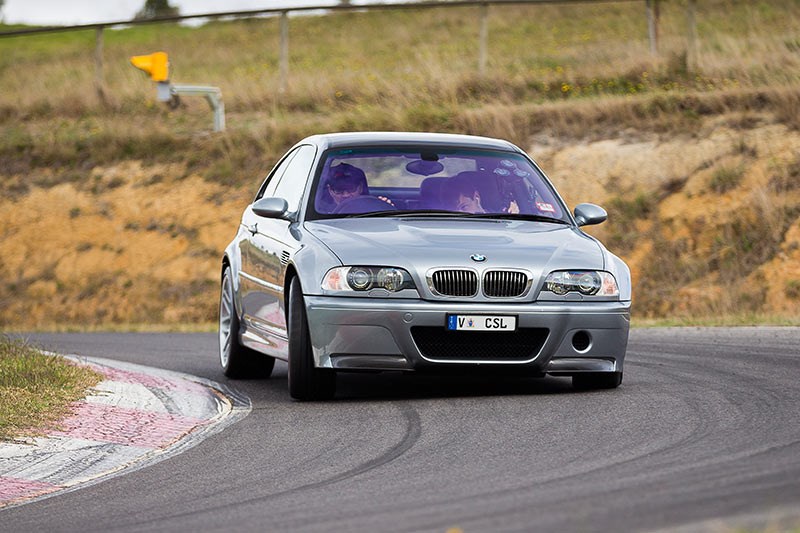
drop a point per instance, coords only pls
(420, 244)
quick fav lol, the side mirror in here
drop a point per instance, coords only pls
(588, 214)
(271, 208)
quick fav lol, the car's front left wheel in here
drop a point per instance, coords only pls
(306, 381)
(238, 362)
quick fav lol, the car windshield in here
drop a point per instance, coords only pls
(431, 181)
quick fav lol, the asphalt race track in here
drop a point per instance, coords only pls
(704, 433)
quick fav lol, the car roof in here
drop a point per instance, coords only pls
(383, 138)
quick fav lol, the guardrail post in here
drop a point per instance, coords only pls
(284, 54)
(652, 25)
(99, 78)
(483, 37)
(691, 49)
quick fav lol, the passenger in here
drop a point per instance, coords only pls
(461, 194)
(511, 207)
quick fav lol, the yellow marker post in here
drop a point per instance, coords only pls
(155, 64)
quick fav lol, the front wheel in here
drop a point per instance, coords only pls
(238, 362)
(306, 382)
(597, 380)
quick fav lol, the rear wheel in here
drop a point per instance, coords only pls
(597, 380)
(237, 361)
(306, 382)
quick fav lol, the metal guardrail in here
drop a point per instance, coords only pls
(280, 11)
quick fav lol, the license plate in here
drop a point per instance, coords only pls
(481, 323)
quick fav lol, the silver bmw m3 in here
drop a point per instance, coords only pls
(418, 252)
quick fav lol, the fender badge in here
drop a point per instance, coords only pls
(478, 258)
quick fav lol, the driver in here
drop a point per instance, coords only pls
(346, 181)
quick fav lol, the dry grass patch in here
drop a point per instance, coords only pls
(36, 390)
(536, 53)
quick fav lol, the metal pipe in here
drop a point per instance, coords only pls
(213, 96)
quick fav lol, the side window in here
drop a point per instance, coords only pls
(268, 187)
(293, 183)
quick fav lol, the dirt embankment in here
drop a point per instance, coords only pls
(130, 244)
(708, 222)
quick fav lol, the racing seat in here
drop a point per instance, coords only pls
(430, 192)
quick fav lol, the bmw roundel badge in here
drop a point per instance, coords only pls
(479, 258)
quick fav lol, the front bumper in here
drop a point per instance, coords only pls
(360, 334)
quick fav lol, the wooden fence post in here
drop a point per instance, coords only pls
(483, 37)
(652, 24)
(691, 49)
(284, 53)
(99, 78)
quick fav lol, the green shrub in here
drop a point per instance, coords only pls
(793, 289)
(639, 206)
(726, 178)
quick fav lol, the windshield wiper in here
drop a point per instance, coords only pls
(410, 213)
(460, 214)
(518, 216)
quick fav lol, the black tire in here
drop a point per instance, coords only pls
(306, 382)
(597, 380)
(238, 362)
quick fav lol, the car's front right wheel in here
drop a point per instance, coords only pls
(306, 381)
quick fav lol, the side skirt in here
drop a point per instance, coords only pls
(274, 345)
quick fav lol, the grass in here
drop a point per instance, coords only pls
(574, 70)
(36, 390)
(537, 53)
(59, 150)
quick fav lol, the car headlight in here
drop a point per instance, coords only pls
(364, 278)
(586, 282)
